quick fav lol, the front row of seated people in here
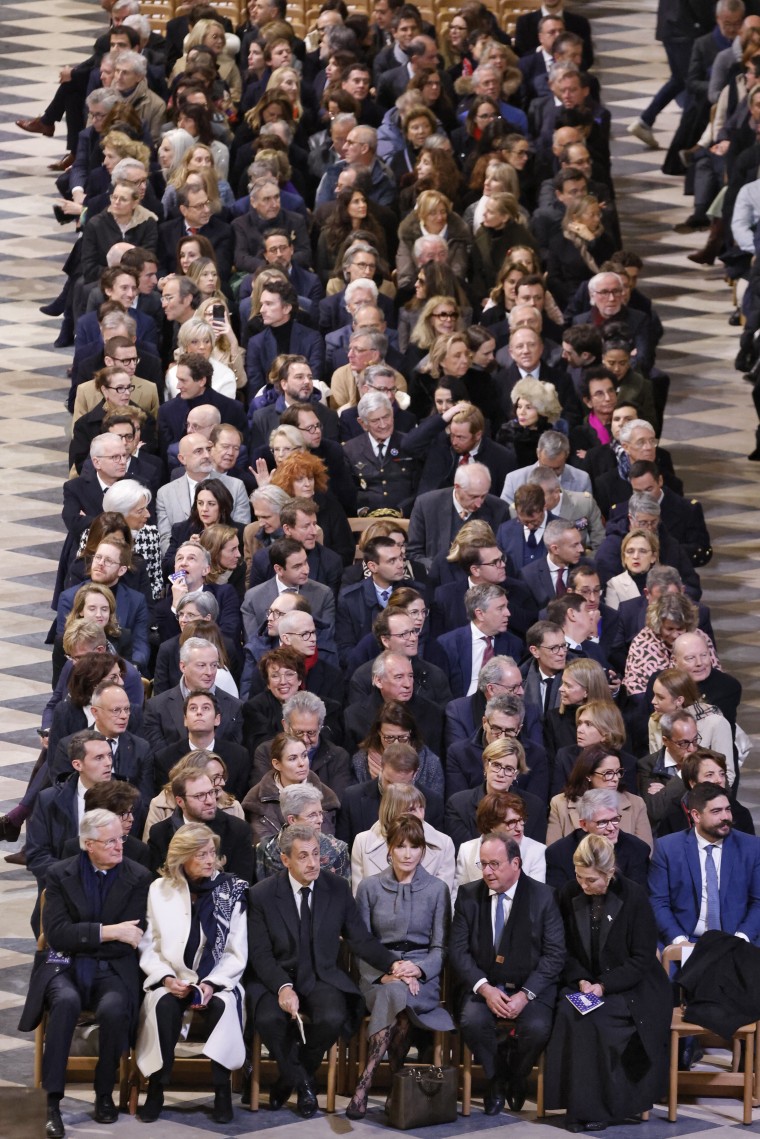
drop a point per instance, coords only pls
(145, 953)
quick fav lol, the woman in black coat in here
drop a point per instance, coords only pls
(611, 1064)
(577, 250)
(124, 220)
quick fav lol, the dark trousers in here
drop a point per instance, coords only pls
(109, 1003)
(678, 53)
(483, 1032)
(169, 1013)
(325, 1007)
(68, 101)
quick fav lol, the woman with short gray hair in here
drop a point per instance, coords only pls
(301, 805)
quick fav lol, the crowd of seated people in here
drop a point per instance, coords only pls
(378, 595)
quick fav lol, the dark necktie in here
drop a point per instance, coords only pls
(548, 686)
(561, 587)
(380, 452)
(305, 968)
(713, 889)
(464, 459)
(498, 925)
(488, 653)
(385, 596)
(112, 743)
(531, 540)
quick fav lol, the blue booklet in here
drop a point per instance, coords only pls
(584, 1002)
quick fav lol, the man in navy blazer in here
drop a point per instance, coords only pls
(282, 334)
(333, 313)
(499, 677)
(503, 715)
(465, 443)
(194, 373)
(195, 218)
(527, 29)
(359, 604)
(547, 577)
(521, 539)
(467, 649)
(164, 722)
(678, 876)
(88, 337)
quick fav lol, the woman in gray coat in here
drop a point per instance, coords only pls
(410, 912)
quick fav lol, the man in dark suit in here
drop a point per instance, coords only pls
(503, 716)
(659, 774)
(395, 629)
(465, 443)
(527, 348)
(279, 251)
(507, 949)
(500, 676)
(599, 813)
(296, 921)
(59, 809)
(527, 29)
(194, 373)
(643, 513)
(299, 522)
(196, 217)
(195, 796)
(481, 563)
(359, 604)
(83, 495)
(202, 718)
(467, 649)
(164, 714)
(715, 686)
(584, 579)
(707, 877)
(393, 681)
(684, 521)
(360, 805)
(438, 516)
(578, 621)
(547, 577)
(366, 316)
(95, 906)
(293, 390)
(334, 313)
(542, 674)
(265, 215)
(282, 334)
(118, 284)
(132, 757)
(535, 63)
(521, 539)
(606, 296)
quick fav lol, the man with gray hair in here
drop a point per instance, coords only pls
(384, 379)
(439, 515)
(192, 564)
(576, 506)
(301, 805)
(329, 146)
(644, 514)
(365, 348)
(83, 495)
(659, 773)
(430, 247)
(606, 293)
(466, 650)
(267, 213)
(164, 721)
(303, 716)
(94, 918)
(599, 812)
(130, 80)
(361, 150)
(547, 577)
(393, 682)
(500, 676)
(503, 718)
(553, 453)
(298, 631)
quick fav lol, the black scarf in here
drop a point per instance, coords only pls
(213, 900)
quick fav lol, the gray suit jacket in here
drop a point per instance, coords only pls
(175, 499)
(257, 601)
(580, 507)
(572, 479)
(430, 526)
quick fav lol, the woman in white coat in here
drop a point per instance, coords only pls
(500, 811)
(193, 954)
(369, 854)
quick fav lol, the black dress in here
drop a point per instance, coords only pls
(611, 1063)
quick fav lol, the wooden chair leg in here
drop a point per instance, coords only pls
(125, 1071)
(673, 1079)
(749, 1077)
(438, 1049)
(39, 1044)
(540, 1111)
(466, 1080)
(255, 1071)
(332, 1076)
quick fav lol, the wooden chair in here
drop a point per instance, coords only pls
(467, 1064)
(256, 1069)
(80, 1065)
(707, 1083)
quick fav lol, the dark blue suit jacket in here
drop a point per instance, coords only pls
(511, 541)
(87, 331)
(441, 464)
(324, 566)
(262, 350)
(465, 714)
(464, 767)
(356, 609)
(336, 346)
(675, 885)
(218, 232)
(333, 313)
(172, 416)
(448, 612)
(131, 610)
(53, 821)
(457, 649)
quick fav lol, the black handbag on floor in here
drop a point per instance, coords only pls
(423, 1096)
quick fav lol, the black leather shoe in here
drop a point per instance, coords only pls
(596, 1125)
(222, 1111)
(279, 1094)
(106, 1110)
(516, 1093)
(154, 1102)
(493, 1099)
(306, 1100)
(9, 831)
(54, 1128)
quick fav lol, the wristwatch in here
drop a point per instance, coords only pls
(531, 996)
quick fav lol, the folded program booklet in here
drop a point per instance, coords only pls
(584, 1002)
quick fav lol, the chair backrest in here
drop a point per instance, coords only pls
(672, 954)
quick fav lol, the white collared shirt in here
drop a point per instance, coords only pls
(478, 648)
(702, 845)
(296, 888)
(554, 571)
(458, 506)
(539, 531)
(81, 789)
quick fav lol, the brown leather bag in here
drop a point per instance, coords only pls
(421, 1097)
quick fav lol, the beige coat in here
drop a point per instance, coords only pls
(88, 397)
(563, 818)
(343, 391)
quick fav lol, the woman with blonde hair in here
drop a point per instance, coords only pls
(227, 565)
(577, 250)
(198, 159)
(651, 650)
(195, 335)
(433, 215)
(227, 350)
(597, 721)
(438, 314)
(210, 34)
(582, 680)
(287, 81)
(369, 853)
(193, 954)
(639, 551)
(501, 229)
(490, 175)
(536, 409)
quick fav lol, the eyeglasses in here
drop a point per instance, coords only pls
(489, 865)
(646, 443)
(401, 738)
(125, 434)
(308, 635)
(407, 635)
(513, 689)
(304, 733)
(590, 591)
(99, 559)
(502, 733)
(418, 613)
(557, 649)
(513, 824)
(109, 843)
(685, 745)
(496, 562)
(609, 776)
(500, 769)
(609, 824)
(203, 796)
(130, 360)
(608, 293)
(446, 315)
(123, 389)
(124, 815)
(312, 429)
(276, 613)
